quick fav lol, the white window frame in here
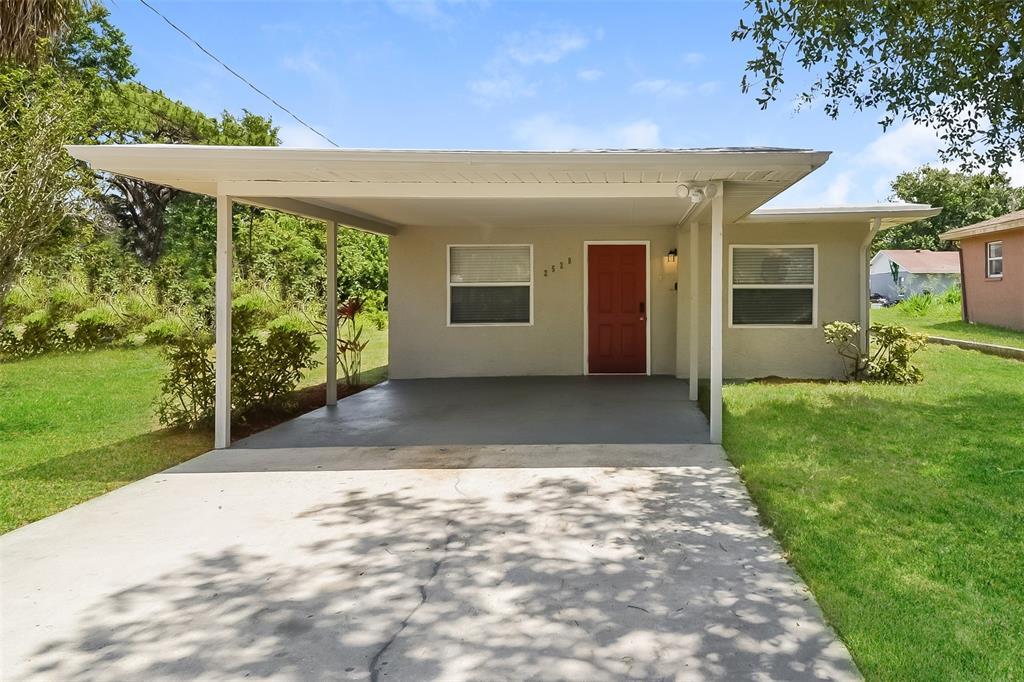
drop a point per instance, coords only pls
(813, 287)
(449, 284)
(989, 259)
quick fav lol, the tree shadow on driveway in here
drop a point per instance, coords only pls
(584, 573)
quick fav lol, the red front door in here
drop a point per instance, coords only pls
(617, 308)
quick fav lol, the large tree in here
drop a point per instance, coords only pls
(956, 66)
(40, 186)
(964, 199)
(125, 111)
(24, 24)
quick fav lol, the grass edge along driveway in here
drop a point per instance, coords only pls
(902, 507)
(77, 425)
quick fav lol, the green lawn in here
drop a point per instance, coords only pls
(902, 507)
(945, 320)
(74, 426)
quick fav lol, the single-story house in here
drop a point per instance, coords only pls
(506, 263)
(900, 273)
(992, 263)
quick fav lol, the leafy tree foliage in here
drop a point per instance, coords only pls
(956, 66)
(129, 112)
(40, 187)
(965, 199)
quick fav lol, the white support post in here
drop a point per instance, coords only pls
(717, 282)
(222, 395)
(694, 310)
(332, 313)
(865, 284)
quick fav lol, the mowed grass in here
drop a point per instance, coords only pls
(74, 426)
(902, 507)
(945, 320)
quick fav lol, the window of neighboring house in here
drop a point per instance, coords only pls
(773, 286)
(994, 260)
(490, 284)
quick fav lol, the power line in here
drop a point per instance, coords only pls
(235, 73)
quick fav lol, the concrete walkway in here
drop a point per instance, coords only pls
(592, 562)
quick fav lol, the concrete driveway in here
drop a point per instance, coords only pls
(585, 562)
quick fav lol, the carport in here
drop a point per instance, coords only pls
(499, 410)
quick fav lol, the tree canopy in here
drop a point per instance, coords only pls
(965, 199)
(956, 66)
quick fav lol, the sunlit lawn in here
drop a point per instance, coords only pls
(902, 507)
(73, 426)
(945, 320)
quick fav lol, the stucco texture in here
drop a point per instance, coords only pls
(995, 301)
(422, 345)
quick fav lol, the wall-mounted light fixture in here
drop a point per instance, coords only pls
(671, 258)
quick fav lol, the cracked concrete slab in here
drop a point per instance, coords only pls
(594, 562)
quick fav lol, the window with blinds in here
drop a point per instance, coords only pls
(490, 284)
(773, 286)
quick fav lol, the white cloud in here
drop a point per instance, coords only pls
(506, 87)
(304, 62)
(433, 13)
(708, 87)
(590, 75)
(538, 47)
(546, 131)
(694, 58)
(662, 87)
(865, 176)
(295, 135)
(838, 191)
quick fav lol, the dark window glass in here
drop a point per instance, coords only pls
(773, 306)
(490, 305)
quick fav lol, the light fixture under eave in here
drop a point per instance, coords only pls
(697, 193)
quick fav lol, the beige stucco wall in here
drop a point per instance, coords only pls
(422, 345)
(995, 301)
(758, 352)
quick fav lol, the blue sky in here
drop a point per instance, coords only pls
(508, 75)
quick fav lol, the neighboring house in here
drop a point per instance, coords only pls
(992, 259)
(561, 263)
(900, 273)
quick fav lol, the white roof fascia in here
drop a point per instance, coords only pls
(891, 215)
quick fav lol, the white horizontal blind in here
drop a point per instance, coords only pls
(752, 265)
(489, 264)
(773, 285)
(490, 284)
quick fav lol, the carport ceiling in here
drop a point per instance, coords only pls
(384, 190)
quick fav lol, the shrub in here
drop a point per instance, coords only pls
(34, 333)
(843, 335)
(96, 326)
(163, 331)
(9, 342)
(917, 305)
(890, 359)
(268, 360)
(64, 301)
(268, 363)
(187, 390)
